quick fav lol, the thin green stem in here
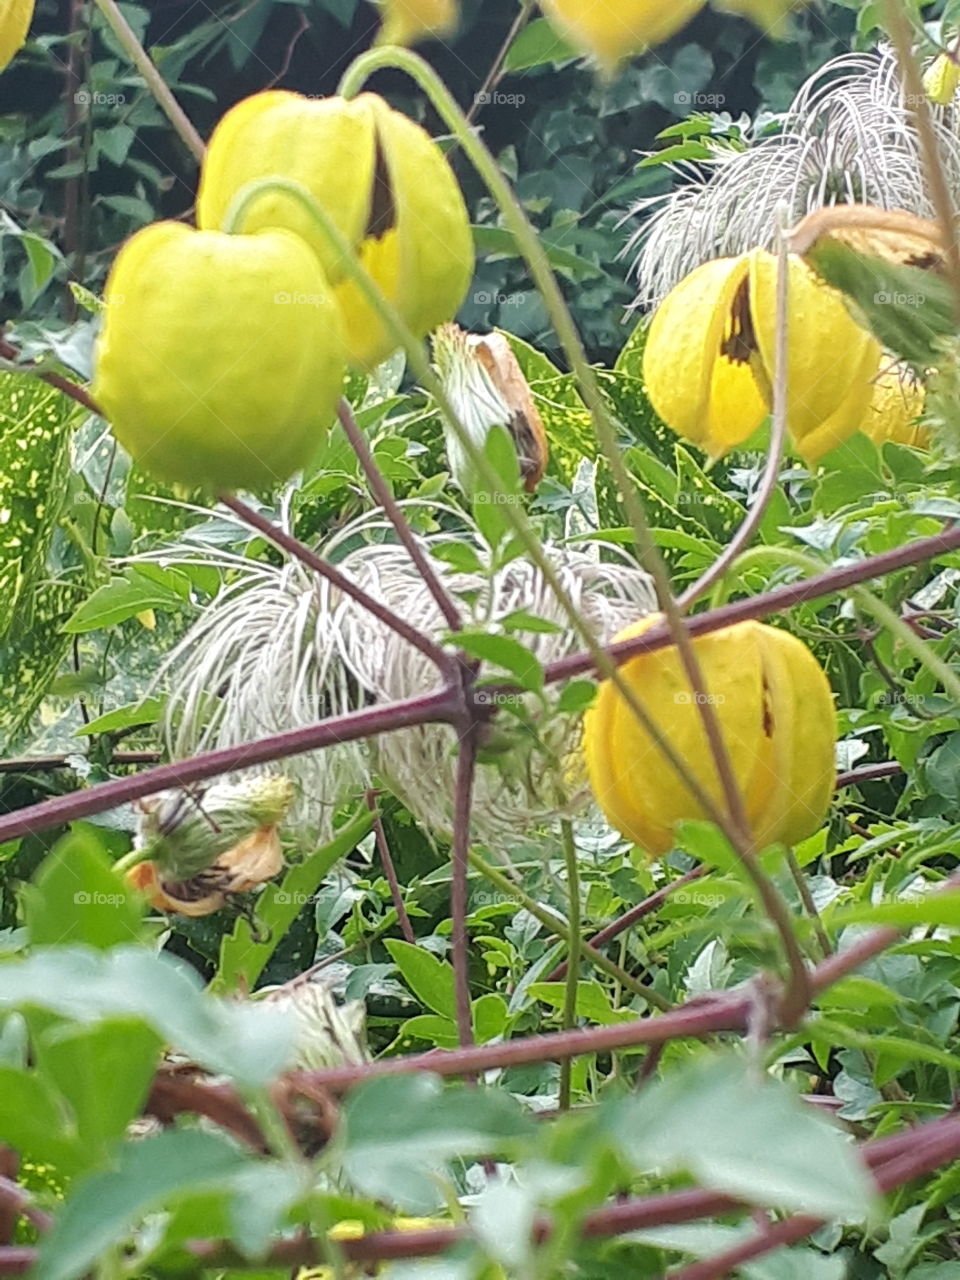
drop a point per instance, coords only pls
(806, 897)
(574, 925)
(131, 46)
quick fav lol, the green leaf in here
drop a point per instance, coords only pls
(504, 652)
(940, 908)
(498, 242)
(536, 46)
(104, 1072)
(746, 1135)
(242, 960)
(593, 1003)
(120, 599)
(77, 897)
(577, 696)
(250, 1044)
(430, 979)
(146, 711)
(35, 1121)
(399, 1133)
(149, 1175)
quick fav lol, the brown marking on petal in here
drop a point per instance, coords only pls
(769, 723)
(740, 344)
(383, 206)
(932, 261)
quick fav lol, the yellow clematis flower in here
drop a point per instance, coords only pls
(15, 19)
(220, 361)
(379, 177)
(613, 30)
(407, 21)
(776, 713)
(710, 357)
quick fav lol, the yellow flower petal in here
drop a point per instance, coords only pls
(614, 29)
(407, 21)
(801, 721)
(15, 19)
(220, 361)
(847, 419)
(893, 413)
(697, 363)
(831, 360)
(776, 712)
(382, 180)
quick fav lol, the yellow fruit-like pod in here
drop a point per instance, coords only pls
(220, 361)
(941, 79)
(894, 412)
(776, 713)
(15, 19)
(407, 21)
(378, 176)
(612, 30)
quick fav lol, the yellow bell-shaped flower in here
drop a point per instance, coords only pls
(381, 179)
(612, 30)
(407, 21)
(776, 713)
(15, 19)
(709, 361)
(220, 361)
(895, 409)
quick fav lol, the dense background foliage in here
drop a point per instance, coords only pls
(86, 158)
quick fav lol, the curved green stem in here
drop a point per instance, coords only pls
(733, 822)
(404, 337)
